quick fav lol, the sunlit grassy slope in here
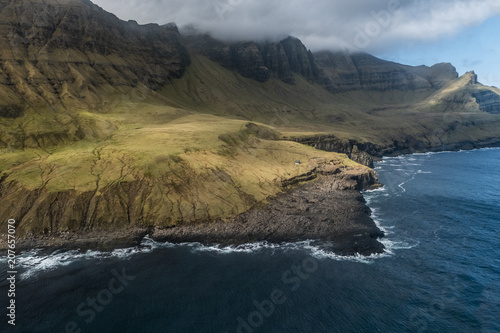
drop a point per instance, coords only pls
(150, 165)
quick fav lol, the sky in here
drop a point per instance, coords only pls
(465, 33)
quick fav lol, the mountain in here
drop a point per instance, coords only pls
(70, 53)
(108, 125)
(337, 72)
(258, 61)
(344, 72)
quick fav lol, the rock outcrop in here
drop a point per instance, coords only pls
(367, 152)
(337, 72)
(330, 211)
(488, 101)
(362, 153)
(343, 72)
(258, 60)
(103, 133)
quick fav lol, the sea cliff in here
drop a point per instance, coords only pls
(323, 204)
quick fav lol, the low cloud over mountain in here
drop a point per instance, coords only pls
(365, 24)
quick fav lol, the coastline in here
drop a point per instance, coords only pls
(329, 210)
(367, 153)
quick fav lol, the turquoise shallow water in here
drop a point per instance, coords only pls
(441, 271)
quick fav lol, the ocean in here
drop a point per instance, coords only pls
(440, 272)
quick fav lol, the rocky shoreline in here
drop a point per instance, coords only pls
(329, 210)
(366, 153)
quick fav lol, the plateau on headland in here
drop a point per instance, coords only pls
(110, 130)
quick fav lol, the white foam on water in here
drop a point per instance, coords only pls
(33, 262)
(429, 153)
(378, 223)
(243, 248)
(370, 194)
(320, 253)
(392, 245)
(392, 241)
(408, 164)
(388, 241)
(413, 175)
(315, 249)
(374, 192)
(378, 189)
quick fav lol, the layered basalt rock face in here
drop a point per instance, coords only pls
(488, 101)
(258, 60)
(343, 72)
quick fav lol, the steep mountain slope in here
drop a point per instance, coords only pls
(66, 55)
(259, 61)
(347, 72)
(467, 91)
(387, 104)
(71, 53)
(89, 140)
(337, 72)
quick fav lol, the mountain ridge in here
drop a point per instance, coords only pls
(58, 54)
(95, 58)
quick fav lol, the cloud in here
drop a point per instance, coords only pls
(367, 25)
(425, 20)
(471, 63)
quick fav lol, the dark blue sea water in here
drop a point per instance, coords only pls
(441, 271)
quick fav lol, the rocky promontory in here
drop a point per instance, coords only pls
(329, 210)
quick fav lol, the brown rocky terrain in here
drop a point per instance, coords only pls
(330, 210)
